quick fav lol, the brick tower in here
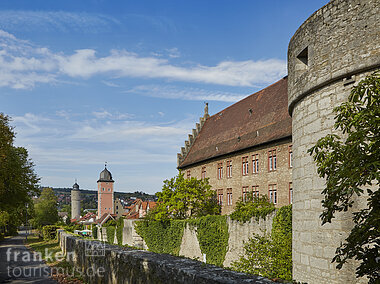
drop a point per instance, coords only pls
(105, 193)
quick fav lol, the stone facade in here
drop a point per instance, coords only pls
(334, 49)
(262, 181)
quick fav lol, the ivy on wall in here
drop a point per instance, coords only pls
(166, 236)
(212, 234)
(270, 256)
(94, 232)
(110, 234)
(119, 231)
(162, 236)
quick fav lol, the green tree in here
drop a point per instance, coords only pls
(182, 198)
(46, 212)
(18, 182)
(350, 164)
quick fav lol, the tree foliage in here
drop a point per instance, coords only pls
(182, 198)
(252, 206)
(350, 164)
(18, 182)
(46, 212)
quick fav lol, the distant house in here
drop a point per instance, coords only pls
(63, 216)
(138, 209)
(88, 220)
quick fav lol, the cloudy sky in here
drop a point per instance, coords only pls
(125, 81)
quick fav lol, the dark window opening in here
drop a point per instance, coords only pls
(303, 56)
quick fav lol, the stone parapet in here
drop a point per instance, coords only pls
(124, 265)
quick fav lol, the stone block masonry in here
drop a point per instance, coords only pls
(121, 265)
(333, 50)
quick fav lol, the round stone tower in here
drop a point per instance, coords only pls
(333, 49)
(75, 202)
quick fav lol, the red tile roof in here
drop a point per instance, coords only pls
(259, 118)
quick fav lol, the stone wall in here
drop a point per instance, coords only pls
(114, 264)
(239, 233)
(333, 50)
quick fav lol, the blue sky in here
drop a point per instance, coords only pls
(125, 81)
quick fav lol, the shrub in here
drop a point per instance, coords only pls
(258, 207)
(49, 232)
(270, 256)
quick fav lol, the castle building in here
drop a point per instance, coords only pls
(331, 51)
(244, 149)
(75, 202)
(105, 193)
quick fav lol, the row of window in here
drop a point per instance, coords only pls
(272, 165)
(272, 193)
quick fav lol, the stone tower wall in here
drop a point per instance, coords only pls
(333, 50)
(75, 204)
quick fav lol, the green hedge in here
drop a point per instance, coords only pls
(49, 232)
(110, 234)
(162, 236)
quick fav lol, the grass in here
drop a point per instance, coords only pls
(52, 247)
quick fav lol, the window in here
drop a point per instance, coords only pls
(244, 166)
(273, 193)
(255, 163)
(290, 192)
(203, 173)
(255, 191)
(229, 169)
(220, 196)
(188, 174)
(229, 196)
(272, 160)
(109, 189)
(245, 192)
(290, 156)
(103, 188)
(220, 171)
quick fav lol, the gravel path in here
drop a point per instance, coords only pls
(17, 264)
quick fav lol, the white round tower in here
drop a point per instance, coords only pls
(75, 202)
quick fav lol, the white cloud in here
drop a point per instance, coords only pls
(191, 94)
(22, 65)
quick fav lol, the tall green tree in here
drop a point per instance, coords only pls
(351, 165)
(182, 198)
(46, 208)
(18, 182)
